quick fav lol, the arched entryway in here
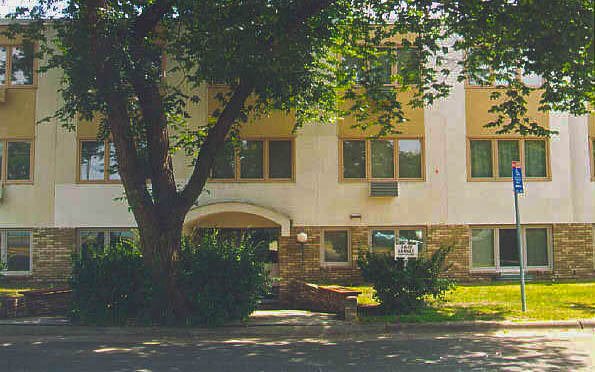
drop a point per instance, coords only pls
(235, 220)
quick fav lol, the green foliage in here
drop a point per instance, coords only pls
(220, 279)
(110, 287)
(224, 279)
(403, 289)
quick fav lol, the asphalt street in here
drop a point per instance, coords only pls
(62, 349)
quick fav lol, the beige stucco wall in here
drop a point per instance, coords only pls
(317, 197)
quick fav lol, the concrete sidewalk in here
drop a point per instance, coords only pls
(288, 323)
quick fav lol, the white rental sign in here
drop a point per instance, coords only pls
(406, 250)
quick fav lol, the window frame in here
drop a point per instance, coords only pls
(396, 230)
(495, 176)
(592, 156)
(505, 269)
(346, 264)
(4, 174)
(368, 148)
(106, 161)
(8, 81)
(265, 163)
(519, 76)
(106, 233)
(4, 247)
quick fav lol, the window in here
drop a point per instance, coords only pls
(16, 161)
(485, 74)
(382, 68)
(383, 240)
(96, 164)
(15, 249)
(16, 65)
(335, 247)
(592, 144)
(95, 241)
(255, 160)
(496, 248)
(491, 159)
(393, 158)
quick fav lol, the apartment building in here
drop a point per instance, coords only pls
(444, 179)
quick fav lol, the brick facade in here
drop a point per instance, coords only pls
(52, 250)
(573, 255)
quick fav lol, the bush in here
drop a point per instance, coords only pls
(403, 289)
(110, 287)
(223, 279)
(220, 279)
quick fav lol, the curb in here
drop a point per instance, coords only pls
(492, 325)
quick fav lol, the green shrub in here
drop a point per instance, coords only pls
(109, 287)
(224, 279)
(403, 289)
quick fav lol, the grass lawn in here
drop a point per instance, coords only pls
(545, 301)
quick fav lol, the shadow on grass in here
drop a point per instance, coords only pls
(443, 314)
(586, 308)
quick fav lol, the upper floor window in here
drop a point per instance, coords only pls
(15, 251)
(496, 248)
(393, 158)
(382, 69)
(483, 77)
(16, 161)
(491, 159)
(97, 162)
(16, 65)
(256, 160)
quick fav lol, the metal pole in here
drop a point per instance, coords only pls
(519, 242)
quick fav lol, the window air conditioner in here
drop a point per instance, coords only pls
(384, 188)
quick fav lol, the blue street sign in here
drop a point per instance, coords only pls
(517, 179)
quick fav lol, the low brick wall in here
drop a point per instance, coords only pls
(328, 299)
(37, 302)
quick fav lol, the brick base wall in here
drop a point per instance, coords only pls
(52, 253)
(573, 255)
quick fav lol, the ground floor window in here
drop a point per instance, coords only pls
(98, 240)
(335, 248)
(496, 247)
(383, 240)
(15, 249)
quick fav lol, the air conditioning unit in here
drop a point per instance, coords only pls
(2, 94)
(384, 188)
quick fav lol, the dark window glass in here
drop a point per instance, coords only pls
(382, 158)
(410, 158)
(354, 159)
(18, 256)
(481, 158)
(22, 66)
(383, 241)
(113, 163)
(280, 162)
(482, 248)
(535, 159)
(92, 160)
(412, 237)
(251, 159)
(116, 237)
(408, 65)
(509, 253)
(18, 159)
(536, 247)
(381, 68)
(224, 167)
(336, 247)
(508, 151)
(91, 242)
(2, 65)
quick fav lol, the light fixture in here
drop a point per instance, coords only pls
(355, 215)
(302, 237)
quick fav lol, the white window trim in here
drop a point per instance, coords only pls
(4, 250)
(324, 263)
(497, 268)
(106, 235)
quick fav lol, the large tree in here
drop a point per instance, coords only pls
(319, 59)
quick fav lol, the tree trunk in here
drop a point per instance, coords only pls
(161, 244)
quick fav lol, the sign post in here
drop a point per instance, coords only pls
(517, 182)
